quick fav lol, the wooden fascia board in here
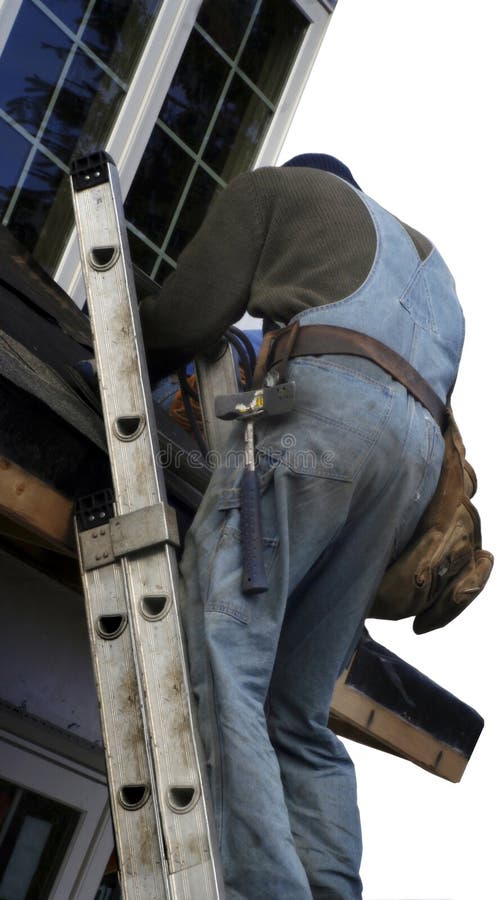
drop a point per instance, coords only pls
(36, 508)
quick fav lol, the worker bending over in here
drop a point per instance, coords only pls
(344, 479)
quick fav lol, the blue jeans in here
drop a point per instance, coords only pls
(344, 480)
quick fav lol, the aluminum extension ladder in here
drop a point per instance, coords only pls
(164, 831)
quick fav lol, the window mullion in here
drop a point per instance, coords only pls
(221, 99)
(75, 38)
(141, 105)
(48, 112)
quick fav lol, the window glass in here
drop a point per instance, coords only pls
(70, 12)
(143, 256)
(67, 101)
(163, 271)
(272, 45)
(34, 201)
(64, 75)
(194, 91)
(35, 836)
(226, 22)
(218, 109)
(238, 130)
(193, 211)
(160, 178)
(30, 66)
(12, 158)
(113, 29)
(116, 31)
(71, 130)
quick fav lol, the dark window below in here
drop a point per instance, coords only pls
(36, 833)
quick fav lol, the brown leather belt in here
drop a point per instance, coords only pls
(317, 340)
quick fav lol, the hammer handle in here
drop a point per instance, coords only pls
(254, 579)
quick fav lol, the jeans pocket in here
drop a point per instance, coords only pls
(224, 593)
(416, 300)
(338, 416)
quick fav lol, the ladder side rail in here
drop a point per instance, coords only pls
(138, 840)
(150, 572)
(214, 378)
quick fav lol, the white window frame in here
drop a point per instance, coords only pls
(140, 109)
(44, 772)
(8, 15)
(319, 19)
(150, 85)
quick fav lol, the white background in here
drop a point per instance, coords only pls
(405, 93)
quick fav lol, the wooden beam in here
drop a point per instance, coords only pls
(355, 715)
(36, 509)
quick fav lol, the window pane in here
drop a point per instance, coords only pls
(157, 186)
(71, 118)
(226, 22)
(35, 200)
(104, 31)
(272, 45)
(143, 256)
(30, 66)
(12, 158)
(196, 87)
(193, 212)
(163, 271)
(51, 86)
(36, 835)
(70, 12)
(116, 31)
(238, 131)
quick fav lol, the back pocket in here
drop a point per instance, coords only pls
(336, 422)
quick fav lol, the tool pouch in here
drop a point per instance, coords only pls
(443, 568)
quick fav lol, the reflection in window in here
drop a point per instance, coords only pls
(265, 60)
(35, 832)
(34, 201)
(193, 211)
(160, 179)
(238, 131)
(143, 255)
(218, 109)
(70, 124)
(12, 158)
(63, 92)
(194, 91)
(226, 22)
(64, 74)
(30, 66)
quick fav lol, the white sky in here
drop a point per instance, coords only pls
(404, 93)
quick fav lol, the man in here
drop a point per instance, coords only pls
(344, 479)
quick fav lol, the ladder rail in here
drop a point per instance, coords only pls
(139, 540)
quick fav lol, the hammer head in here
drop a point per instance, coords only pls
(270, 401)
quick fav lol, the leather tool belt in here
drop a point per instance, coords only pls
(317, 340)
(443, 567)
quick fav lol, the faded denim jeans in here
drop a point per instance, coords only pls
(344, 479)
